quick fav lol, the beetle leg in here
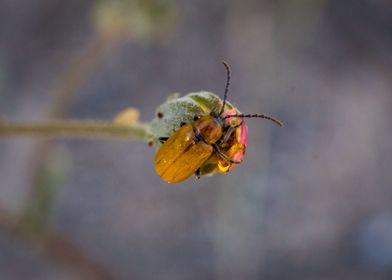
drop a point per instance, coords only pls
(230, 132)
(227, 135)
(163, 139)
(197, 173)
(225, 157)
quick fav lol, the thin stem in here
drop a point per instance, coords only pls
(74, 129)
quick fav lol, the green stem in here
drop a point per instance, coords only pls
(74, 128)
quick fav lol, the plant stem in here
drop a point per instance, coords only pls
(74, 129)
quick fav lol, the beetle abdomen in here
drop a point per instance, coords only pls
(187, 163)
(181, 155)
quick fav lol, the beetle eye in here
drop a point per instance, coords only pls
(196, 117)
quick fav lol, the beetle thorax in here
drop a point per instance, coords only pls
(209, 128)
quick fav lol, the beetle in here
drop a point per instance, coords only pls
(212, 142)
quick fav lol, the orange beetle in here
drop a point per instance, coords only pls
(212, 142)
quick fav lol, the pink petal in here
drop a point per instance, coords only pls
(238, 156)
(243, 135)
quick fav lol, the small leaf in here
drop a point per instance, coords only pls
(128, 116)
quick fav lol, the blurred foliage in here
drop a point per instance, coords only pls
(38, 212)
(137, 18)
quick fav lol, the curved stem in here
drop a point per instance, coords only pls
(74, 129)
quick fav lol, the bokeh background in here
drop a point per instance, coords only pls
(311, 201)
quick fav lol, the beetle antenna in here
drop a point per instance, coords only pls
(276, 121)
(227, 86)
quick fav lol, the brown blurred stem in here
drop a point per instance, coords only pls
(80, 69)
(76, 74)
(73, 128)
(56, 248)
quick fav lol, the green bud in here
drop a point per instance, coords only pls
(177, 110)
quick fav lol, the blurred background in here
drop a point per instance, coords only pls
(311, 201)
